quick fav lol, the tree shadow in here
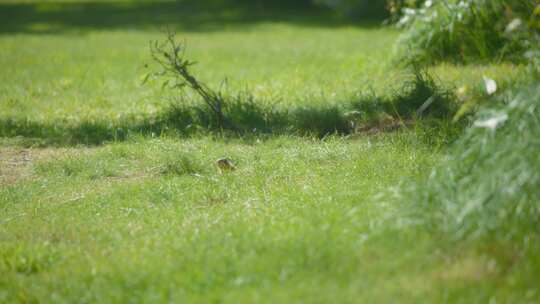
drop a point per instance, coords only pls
(367, 114)
(181, 15)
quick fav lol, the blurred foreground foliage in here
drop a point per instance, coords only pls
(489, 184)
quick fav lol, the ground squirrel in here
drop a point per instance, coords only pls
(225, 164)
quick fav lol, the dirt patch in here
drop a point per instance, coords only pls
(16, 163)
(467, 269)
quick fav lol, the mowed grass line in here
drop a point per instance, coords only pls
(120, 224)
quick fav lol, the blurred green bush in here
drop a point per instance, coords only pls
(469, 31)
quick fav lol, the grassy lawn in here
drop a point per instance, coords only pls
(149, 218)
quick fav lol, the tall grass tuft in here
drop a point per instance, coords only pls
(469, 31)
(180, 165)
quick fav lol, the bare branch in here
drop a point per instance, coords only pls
(170, 56)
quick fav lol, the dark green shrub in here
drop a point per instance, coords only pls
(372, 9)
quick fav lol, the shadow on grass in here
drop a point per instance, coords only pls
(182, 15)
(367, 114)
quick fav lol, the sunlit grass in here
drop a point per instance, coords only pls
(269, 61)
(148, 217)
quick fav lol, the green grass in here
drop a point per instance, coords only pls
(98, 71)
(300, 220)
(119, 225)
(108, 195)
